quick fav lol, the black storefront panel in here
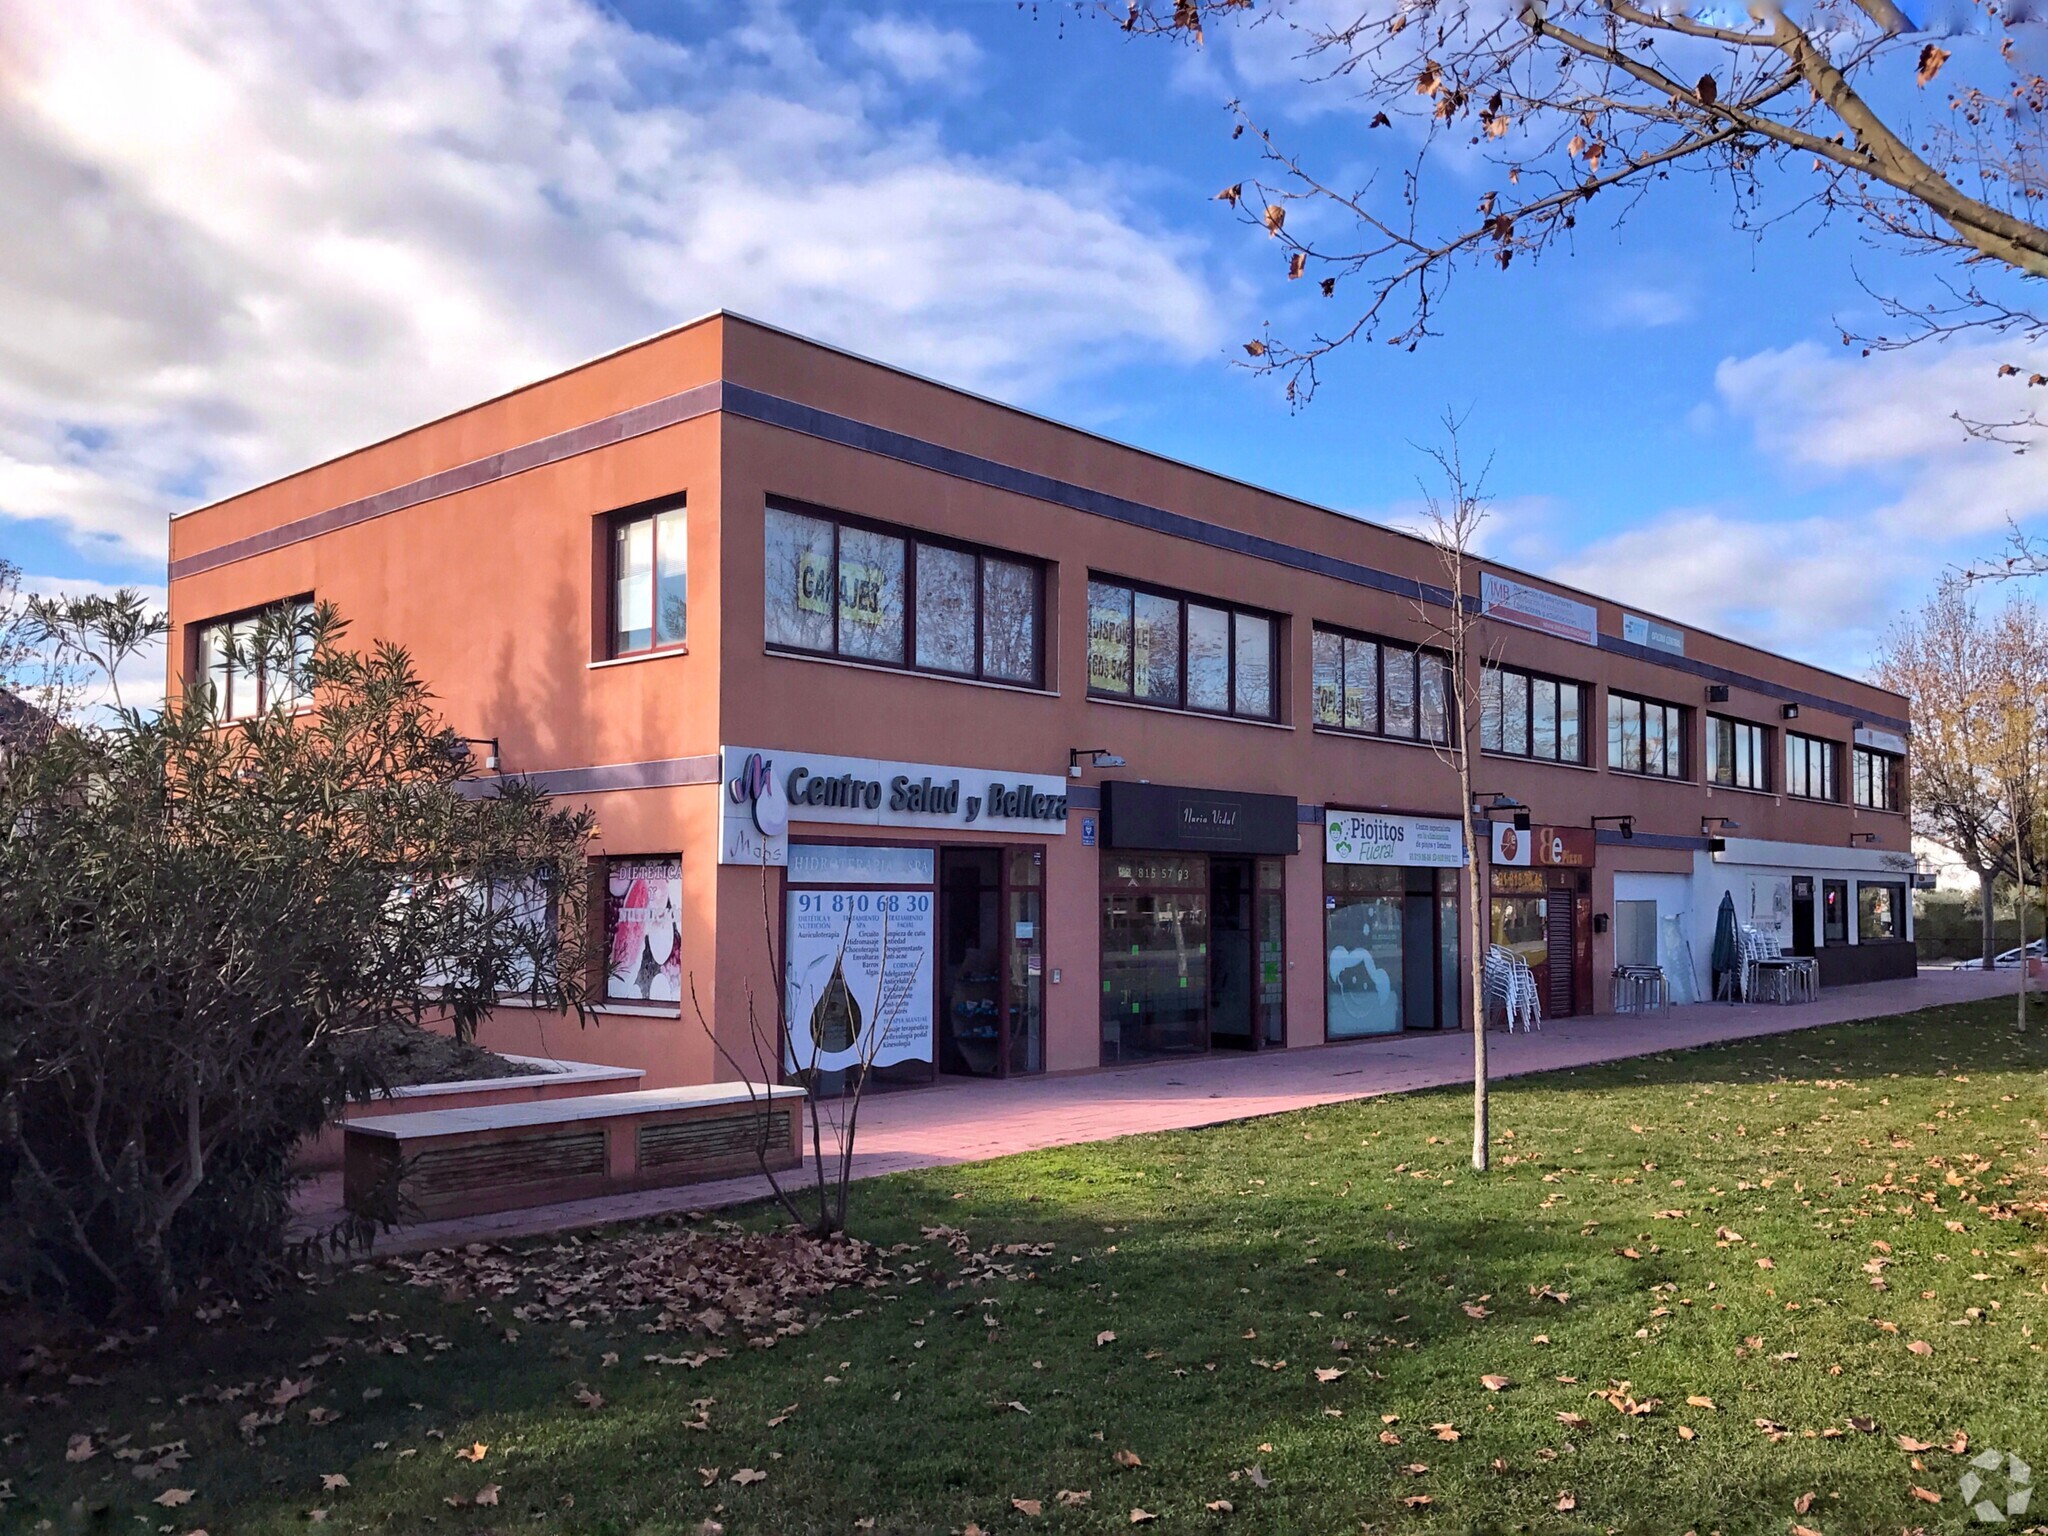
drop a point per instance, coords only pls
(1174, 818)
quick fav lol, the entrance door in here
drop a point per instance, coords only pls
(1802, 915)
(1232, 981)
(1420, 971)
(970, 961)
(1558, 948)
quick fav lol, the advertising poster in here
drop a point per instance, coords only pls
(859, 975)
(1368, 837)
(643, 913)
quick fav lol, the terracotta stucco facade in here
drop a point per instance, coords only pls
(481, 543)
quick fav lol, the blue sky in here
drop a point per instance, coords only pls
(270, 233)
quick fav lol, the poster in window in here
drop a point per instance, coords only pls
(1770, 902)
(859, 978)
(643, 917)
(1109, 638)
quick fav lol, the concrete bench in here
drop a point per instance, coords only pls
(498, 1157)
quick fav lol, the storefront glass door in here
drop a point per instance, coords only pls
(1272, 941)
(970, 961)
(1364, 908)
(1155, 955)
(1231, 979)
(1025, 993)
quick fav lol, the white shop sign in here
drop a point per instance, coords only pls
(1538, 608)
(859, 978)
(1653, 633)
(1511, 845)
(1373, 837)
(762, 792)
(842, 864)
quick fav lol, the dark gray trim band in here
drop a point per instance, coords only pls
(637, 422)
(789, 415)
(1610, 837)
(661, 773)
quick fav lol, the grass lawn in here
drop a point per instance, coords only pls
(1744, 1289)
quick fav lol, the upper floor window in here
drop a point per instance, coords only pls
(1877, 779)
(650, 580)
(836, 587)
(1525, 715)
(1180, 652)
(1810, 767)
(254, 661)
(1736, 753)
(1644, 736)
(1380, 687)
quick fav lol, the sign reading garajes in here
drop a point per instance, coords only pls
(762, 792)
(1374, 837)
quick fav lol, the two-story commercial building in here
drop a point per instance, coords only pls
(998, 747)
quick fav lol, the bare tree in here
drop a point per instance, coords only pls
(1566, 101)
(1975, 683)
(1454, 512)
(772, 1056)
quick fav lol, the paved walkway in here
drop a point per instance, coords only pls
(964, 1120)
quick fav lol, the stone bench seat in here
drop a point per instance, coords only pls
(497, 1157)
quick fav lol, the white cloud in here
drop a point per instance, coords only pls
(916, 50)
(266, 234)
(1832, 415)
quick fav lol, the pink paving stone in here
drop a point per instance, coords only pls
(965, 1120)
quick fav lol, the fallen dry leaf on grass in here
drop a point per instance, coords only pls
(333, 1482)
(475, 1452)
(1803, 1530)
(706, 1476)
(1329, 1373)
(1685, 1433)
(1566, 1502)
(1925, 1495)
(1496, 1383)
(1418, 1501)
(1446, 1433)
(589, 1399)
(1219, 1506)
(747, 1476)
(1104, 1337)
(487, 1496)
(1908, 1444)
(80, 1448)
(1804, 1502)
(171, 1498)
(1142, 1517)
(1699, 1401)
(1027, 1506)
(1921, 1347)
(1127, 1459)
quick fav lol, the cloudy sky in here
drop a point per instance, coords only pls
(249, 235)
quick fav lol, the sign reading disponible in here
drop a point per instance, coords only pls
(1374, 837)
(762, 792)
(859, 978)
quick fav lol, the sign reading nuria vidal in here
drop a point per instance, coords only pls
(1374, 837)
(762, 792)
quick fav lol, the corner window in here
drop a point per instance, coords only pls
(1880, 911)
(1157, 647)
(1736, 753)
(1810, 767)
(1877, 779)
(1379, 687)
(1526, 715)
(836, 587)
(1645, 737)
(650, 581)
(643, 907)
(254, 661)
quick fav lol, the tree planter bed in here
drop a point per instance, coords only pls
(464, 1162)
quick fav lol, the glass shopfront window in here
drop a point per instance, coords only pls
(1520, 917)
(1390, 939)
(1880, 911)
(1155, 955)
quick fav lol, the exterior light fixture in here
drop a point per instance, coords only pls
(1790, 711)
(1717, 693)
(1717, 842)
(1492, 800)
(457, 748)
(1628, 825)
(1098, 757)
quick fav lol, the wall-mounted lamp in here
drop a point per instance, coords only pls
(1628, 825)
(1863, 837)
(1098, 757)
(1717, 693)
(1790, 711)
(1491, 800)
(1716, 841)
(457, 748)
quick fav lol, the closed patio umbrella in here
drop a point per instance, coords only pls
(1727, 956)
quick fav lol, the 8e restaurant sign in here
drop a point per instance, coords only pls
(761, 793)
(1546, 847)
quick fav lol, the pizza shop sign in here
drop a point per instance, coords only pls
(762, 792)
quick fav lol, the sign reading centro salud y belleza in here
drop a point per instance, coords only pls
(761, 792)
(1374, 837)
(1537, 608)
